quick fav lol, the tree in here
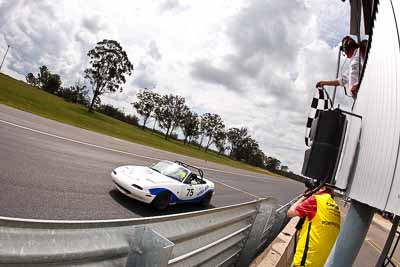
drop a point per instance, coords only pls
(32, 80)
(179, 112)
(258, 159)
(247, 149)
(284, 168)
(109, 64)
(220, 140)
(250, 151)
(236, 137)
(190, 125)
(202, 128)
(212, 123)
(75, 94)
(171, 111)
(52, 84)
(244, 147)
(157, 112)
(145, 105)
(80, 94)
(272, 163)
(45, 79)
(43, 75)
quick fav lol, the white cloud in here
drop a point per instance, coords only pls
(154, 51)
(253, 62)
(171, 6)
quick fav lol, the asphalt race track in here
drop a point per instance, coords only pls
(50, 170)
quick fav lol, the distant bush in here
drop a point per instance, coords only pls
(47, 81)
(290, 175)
(131, 119)
(67, 94)
(117, 114)
(195, 142)
(75, 94)
(157, 131)
(174, 136)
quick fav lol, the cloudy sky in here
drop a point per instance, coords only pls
(255, 63)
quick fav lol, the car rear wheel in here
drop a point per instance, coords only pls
(161, 201)
(205, 202)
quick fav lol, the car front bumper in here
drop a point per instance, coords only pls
(123, 185)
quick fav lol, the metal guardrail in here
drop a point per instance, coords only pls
(216, 237)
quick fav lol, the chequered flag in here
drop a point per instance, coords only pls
(320, 101)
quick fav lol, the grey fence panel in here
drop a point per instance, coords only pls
(215, 254)
(226, 230)
(265, 213)
(184, 239)
(138, 246)
(215, 237)
(275, 225)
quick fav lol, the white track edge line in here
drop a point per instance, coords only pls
(237, 189)
(119, 151)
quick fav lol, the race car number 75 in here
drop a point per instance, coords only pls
(189, 192)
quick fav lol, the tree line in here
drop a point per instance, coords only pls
(51, 82)
(170, 112)
(108, 67)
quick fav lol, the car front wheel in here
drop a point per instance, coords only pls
(205, 202)
(161, 201)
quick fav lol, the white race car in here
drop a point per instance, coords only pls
(164, 183)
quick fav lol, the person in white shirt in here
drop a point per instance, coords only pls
(351, 80)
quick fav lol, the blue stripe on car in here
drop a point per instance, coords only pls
(175, 199)
(155, 191)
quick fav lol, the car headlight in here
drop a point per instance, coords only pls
(137, 187)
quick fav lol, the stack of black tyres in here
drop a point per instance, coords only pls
(327, 132)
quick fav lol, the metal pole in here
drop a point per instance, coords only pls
(355, 16)
(337, 75)
(389, 242)
(8, 47)
(351, 236)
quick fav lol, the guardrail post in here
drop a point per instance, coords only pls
(265, 211)
(148, 248)
(281, 219)
(275, 225)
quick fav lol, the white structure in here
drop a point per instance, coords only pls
(369, 168)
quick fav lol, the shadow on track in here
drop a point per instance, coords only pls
(146, 210)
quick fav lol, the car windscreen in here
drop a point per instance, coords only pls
(171, 170)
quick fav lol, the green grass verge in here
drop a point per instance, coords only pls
(22, 96)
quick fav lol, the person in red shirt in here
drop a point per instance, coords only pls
(321, 224)
(305, 206)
